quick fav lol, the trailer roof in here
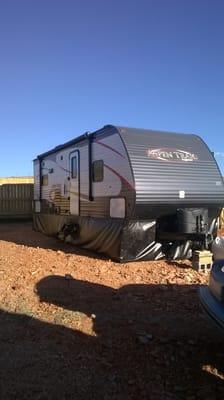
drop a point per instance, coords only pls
(120, 129)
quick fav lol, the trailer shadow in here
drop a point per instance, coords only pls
(148, 342)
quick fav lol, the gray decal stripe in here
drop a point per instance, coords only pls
(120, 176)
(57, 164)
(110, 148)
(64, 169)
(81, 195)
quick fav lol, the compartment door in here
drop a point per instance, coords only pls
(74, 161)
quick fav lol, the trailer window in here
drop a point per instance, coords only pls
(44, 180)
(74, 167)
(98, 171)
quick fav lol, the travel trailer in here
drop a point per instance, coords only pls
(130, 193)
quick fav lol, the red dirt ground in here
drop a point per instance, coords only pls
(77, 326)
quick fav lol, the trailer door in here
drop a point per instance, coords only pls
(74, 182)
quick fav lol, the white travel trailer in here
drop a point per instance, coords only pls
(130, 193)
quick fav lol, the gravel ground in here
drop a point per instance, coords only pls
(77, 326)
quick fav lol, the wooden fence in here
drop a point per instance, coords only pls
(16, 201)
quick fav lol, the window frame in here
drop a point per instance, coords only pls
(44, 180)
(74, 176)
(94, 178)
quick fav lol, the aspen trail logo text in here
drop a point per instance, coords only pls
(167, 154)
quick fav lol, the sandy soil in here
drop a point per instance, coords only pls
(77, 326)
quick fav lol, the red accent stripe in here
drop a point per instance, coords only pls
(110, 148)
(120, 176)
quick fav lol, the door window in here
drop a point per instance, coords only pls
(74, 167)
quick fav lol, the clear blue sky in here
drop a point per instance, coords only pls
(70, 66)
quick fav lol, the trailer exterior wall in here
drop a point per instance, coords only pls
(118, 180)
(171, 181)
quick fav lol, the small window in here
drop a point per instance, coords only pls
(45, 180)
(74, 167)
(98, 171)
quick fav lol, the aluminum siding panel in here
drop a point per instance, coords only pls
(108, 146)
(36, 172)
(159, 181)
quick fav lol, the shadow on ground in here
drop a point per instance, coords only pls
(149, 342)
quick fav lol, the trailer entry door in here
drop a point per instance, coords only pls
(74, 182)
